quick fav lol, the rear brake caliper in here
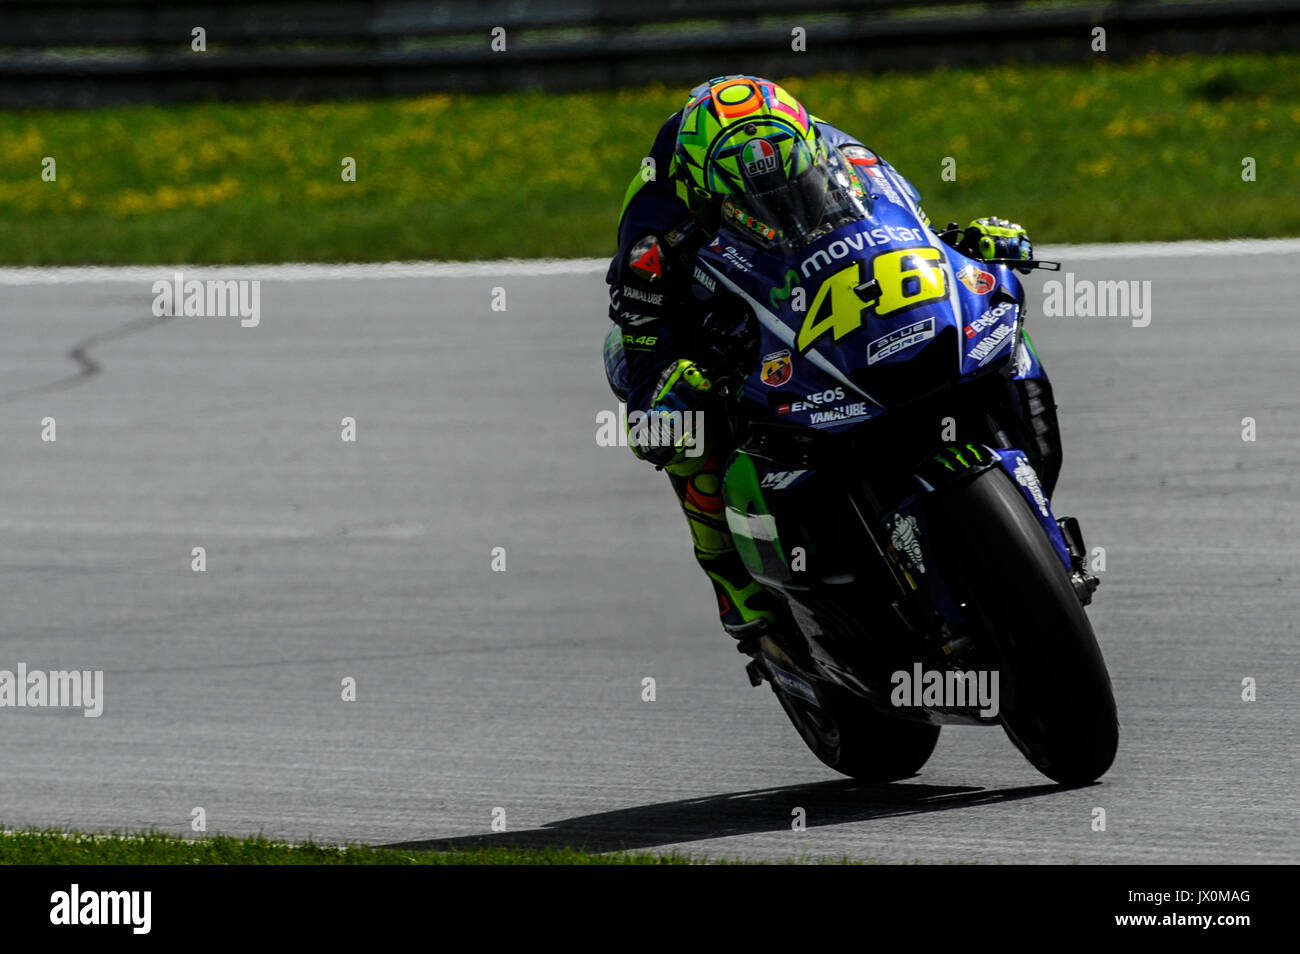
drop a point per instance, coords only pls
(1084, 582)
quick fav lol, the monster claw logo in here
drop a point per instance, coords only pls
(785, 291)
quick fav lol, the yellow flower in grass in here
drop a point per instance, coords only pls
(131, 202)
(1098, 167)
(1120, 127)
(238, 147)
(169, 197)
(335, 191)
(210, 153)
(425, 105)
(27, 145)
(25, 192)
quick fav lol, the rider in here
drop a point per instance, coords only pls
(745, 148)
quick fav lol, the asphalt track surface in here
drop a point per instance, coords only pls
(521, 690)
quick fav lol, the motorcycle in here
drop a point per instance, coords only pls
(891, 483)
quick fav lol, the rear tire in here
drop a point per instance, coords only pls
(1056, 700)
(851, 737)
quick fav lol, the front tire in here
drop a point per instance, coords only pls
(1057, 704)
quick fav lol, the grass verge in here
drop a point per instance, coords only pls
(52, 847)
(1115, 151)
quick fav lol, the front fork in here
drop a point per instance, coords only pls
(1083, 581)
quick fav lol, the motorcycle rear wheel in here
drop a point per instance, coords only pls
(851, 737)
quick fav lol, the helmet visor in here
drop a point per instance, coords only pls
(822, 196)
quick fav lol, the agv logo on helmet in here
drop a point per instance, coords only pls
(759, 157)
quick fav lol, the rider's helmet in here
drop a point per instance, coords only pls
(749, 152)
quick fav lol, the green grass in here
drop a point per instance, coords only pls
(1141, 150)
(35, 847)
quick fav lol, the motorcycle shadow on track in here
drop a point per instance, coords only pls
(737, 813)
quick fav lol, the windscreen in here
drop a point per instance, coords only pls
(790, 213)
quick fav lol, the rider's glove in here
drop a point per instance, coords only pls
(999, 238)
(671, 435)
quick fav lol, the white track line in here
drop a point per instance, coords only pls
(299, 272)
(512, 268)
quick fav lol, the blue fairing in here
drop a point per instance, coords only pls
(871, 316)
(1018, 468)
(956, 316)
(925, 572)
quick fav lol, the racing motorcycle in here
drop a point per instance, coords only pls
(891, 484)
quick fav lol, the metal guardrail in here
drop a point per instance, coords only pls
(94, 52)
(135, 22)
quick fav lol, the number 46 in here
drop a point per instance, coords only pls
(902, 279)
